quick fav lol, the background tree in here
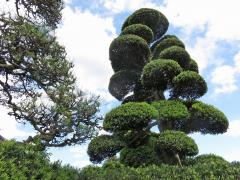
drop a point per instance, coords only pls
(36, 80)
(158, 83)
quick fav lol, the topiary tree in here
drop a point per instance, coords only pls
(148, 64)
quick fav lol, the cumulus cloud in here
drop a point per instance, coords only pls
(233, 130)
(80, 156)
(87, 37)
(9, 126)
(118, 6)
(225, 77)
(219, 16)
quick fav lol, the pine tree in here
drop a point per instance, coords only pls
(158, 83)
(36, 80)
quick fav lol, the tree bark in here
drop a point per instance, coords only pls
(178, 159)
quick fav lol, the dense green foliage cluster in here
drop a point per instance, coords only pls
(203, 168)
(19, 161)
(158, 83)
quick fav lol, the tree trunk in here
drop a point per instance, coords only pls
(178, 159)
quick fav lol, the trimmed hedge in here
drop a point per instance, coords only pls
(117, 171)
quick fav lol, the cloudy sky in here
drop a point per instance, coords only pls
(210, 31)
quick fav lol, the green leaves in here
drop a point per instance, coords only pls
(40, 12)
(129, 52)
(151, 18)
(158, 74)
(140, 30)
(139, 156)
(166, 43)
(189, 85)
(207, 119)
(177, 54)
(176, 142)
(21, 161)
(129, 116)
(104, 146)
(35, 66)
(172, 114)
(122, 83)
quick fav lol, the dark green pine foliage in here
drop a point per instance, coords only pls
(147, 65)
(37, 84)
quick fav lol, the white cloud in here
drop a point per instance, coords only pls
(225, 78)
(234, 129)
(7, 6)
(80, 156)
(9, 126)
(220, 16)
(232, 155)
(87, 37)
(204, 56)
(118, 6)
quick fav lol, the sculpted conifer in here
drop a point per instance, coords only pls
(147, 64)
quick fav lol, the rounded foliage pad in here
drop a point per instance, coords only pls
(154, 45)
(189, 85)
(176, 142)
(129, 116)
(177, 54)
(207, 119)
(139, 156)
(129, 52)
(173, 111)
(103, 146)
(122, 83)
(193, 66)
(151, 18)
(158, 74)
(140, 30)
(167, 43)
(142, 93)
(209, 158)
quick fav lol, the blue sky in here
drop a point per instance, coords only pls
(210, 31)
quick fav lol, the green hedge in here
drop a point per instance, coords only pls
(117, 171)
